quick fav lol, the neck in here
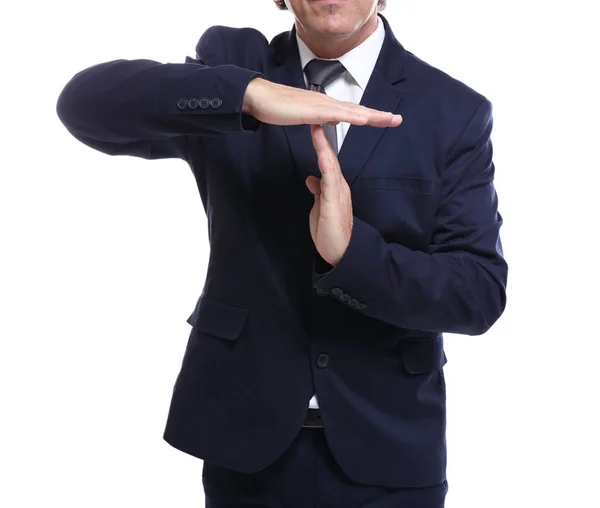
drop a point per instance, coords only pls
(324, 46)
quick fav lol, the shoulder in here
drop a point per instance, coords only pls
(446, 102)
(222, 45)
(439, 84)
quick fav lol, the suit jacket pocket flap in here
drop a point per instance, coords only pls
(219, 318)
(396, 183)
(422, 357)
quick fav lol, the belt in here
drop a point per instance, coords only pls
(313, 419)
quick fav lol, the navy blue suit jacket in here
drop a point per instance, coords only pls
(274, 323)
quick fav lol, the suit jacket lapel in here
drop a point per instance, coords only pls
(360, 141)
(382, 92)
(289, 72)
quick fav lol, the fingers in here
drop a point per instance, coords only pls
(331, 111)
(367, 116)
(314, 185)
(383, 119)
(329, 165)
(326, 156)
(320, 141)
(361, 115)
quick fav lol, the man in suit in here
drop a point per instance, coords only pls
(345, 240)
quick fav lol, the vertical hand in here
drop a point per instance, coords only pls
(331, 217)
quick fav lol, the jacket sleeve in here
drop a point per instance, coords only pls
(459, 285)
(147, 109)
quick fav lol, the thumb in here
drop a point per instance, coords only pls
(314, 185)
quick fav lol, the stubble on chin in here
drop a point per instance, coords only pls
(332, 28)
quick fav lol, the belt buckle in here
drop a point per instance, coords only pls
(313, 419)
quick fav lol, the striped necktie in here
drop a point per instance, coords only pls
(319, 74)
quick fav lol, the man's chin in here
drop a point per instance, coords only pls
(334, 29)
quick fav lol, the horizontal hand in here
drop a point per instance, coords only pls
(286, 105)
(331, 217)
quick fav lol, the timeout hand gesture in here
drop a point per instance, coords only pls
(331, 217)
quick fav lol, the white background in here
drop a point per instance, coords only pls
(102, 258)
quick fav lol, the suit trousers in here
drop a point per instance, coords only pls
(307, 476)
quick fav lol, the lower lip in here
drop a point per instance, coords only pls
(329, 1)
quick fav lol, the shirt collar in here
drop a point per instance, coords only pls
(359, 62)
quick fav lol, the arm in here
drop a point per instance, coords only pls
(459, 286)
(141, 107)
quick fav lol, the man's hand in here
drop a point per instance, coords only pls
(286, 105)
(331, 217)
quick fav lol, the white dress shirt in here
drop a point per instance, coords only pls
(350, 85)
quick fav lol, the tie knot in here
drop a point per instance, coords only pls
(322, 72)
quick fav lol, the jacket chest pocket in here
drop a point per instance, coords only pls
(411, 184)
(401, 208)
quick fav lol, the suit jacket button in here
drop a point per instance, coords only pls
(182, 104)
(345, 297)
(320, 292)
(204, 103)
(323, 360)
(216, 103)
(354, 302)
(193, 103)
(361, 306)
(337, 292)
